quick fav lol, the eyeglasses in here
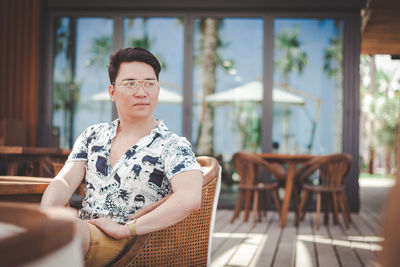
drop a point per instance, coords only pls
(132, 86)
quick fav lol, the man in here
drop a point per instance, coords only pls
(133, 155)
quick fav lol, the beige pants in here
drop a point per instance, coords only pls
(103, 248)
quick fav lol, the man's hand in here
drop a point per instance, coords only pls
(111, 228)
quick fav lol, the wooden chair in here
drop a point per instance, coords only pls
(33, 236)
(247, 166)
(187, 243)
(332, 170)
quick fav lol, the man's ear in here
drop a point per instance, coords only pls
(111, 92)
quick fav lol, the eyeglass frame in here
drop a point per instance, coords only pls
(139, 83)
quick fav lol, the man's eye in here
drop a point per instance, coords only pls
(150, 83)
(130, 84)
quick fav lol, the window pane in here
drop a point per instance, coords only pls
(228, 88)
(308, 75)
(164, 38)
(82, 49)
(227, 92)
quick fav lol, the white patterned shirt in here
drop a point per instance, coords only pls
(140, 177)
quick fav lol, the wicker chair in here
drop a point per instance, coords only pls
(247, 165)
(332, 170)
(187, 243)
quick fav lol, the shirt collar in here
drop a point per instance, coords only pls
(161, 129)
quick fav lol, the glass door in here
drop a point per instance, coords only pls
(82, 48)
(308, 77)
(227, 92)
(164, 38)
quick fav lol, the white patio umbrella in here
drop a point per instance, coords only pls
(253, 92)
(166, 96)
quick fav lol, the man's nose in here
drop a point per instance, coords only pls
(140, 90)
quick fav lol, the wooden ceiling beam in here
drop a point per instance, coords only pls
(381, 27)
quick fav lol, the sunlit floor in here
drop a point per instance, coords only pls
(239, 244)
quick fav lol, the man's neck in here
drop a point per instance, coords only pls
(137, 128)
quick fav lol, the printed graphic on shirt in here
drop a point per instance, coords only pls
(141, 177)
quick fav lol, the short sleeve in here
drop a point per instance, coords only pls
(179, 158)
(80, 149)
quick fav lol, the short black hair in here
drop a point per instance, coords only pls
(131, 55)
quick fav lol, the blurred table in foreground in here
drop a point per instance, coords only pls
(32, 236)
(39, 157)
(292, 161)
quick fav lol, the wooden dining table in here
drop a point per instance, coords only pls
(22, 188)
(292, 161)
(38, 156)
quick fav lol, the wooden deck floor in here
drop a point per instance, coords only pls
(239, 244)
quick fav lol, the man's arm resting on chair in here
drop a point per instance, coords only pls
(185, 199)
(64, 184)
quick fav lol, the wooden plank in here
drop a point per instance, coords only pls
(376, 216)
(372, 221)
(358, 242)
(26, 179)
(21, 188)
(34, 72)
(267, 244)
(363, 226)
(325, 250)
(368, 234)
(199, 5)
(222, 218)
(266, 253)
(247, 250)
(347, 255)
(227, 242)
(222, 234)
(287, 247)
(34, 150)
(305, 246)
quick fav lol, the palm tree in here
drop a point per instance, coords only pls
(291, 59)
(66, 92)
(100, 51)
(333, 68)
(209, 29)
(388, 112)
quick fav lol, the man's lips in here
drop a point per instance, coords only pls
(141, 104)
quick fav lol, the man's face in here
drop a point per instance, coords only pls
(134, 105)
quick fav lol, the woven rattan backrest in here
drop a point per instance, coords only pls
(185, 243)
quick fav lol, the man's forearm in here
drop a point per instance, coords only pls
(57, 193)
(61, 188)
(172, 211)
